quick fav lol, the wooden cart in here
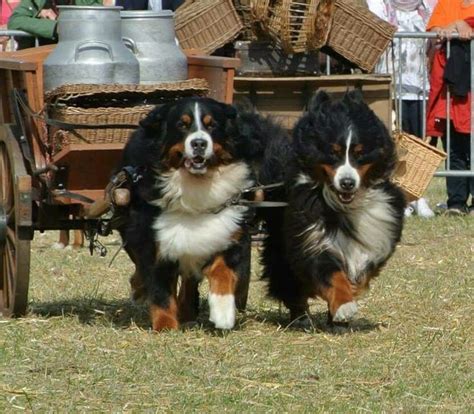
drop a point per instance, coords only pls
(39, 193)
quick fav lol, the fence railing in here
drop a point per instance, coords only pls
(397, 77)
(17, 33)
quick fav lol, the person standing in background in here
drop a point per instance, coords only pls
(408, 16)
(38, 17)
(453, 16)
(6, 9)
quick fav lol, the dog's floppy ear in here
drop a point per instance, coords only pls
(317, 99)
(355, 96)
(155, 118)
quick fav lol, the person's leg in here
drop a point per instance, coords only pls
(457, 187)
(412, 121)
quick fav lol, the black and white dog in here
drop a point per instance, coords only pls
(194, 155)
(344, 217)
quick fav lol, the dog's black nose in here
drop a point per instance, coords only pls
(347, 184)
(199, 145)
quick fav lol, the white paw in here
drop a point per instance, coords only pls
(58, 246)
(222, 310)
(345, 312)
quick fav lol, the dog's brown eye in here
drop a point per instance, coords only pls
(336, 150)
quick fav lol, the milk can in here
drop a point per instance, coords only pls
(90, 49)
(151, 37)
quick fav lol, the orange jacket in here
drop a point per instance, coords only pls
(460, 107)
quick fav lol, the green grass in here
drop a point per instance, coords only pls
(84, 348)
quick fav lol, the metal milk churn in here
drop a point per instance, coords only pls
(151, 36)
(90, 49)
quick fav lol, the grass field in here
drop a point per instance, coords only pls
(84, 348)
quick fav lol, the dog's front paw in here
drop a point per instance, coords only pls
(222, 310)
(345, 312)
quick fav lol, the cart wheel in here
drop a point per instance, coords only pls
(14, 252)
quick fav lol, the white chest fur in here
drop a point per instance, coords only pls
(187, 230)
(374, 228)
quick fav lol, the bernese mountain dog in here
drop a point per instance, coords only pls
(344, 216)
(191, 160)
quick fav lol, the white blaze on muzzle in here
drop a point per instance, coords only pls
(199, 142)
(347, 178)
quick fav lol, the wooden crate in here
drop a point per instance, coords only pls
(286, 97)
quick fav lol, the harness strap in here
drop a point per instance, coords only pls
(237, 199)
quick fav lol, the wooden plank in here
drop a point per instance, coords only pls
(214, 61)
(286, 97)
(17, 64)
(322, 78)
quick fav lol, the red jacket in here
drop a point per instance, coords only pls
(460, 107)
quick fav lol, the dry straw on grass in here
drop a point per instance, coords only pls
(84, 348)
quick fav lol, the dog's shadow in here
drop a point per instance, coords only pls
(123, 313)
(315, 323)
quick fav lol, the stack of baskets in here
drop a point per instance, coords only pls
(206, 25)
(345, 29)
(110, 112)
(418, 161)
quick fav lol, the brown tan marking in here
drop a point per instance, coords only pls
(357, 150)
(220, 154)
(222, 279)
(338, 293)
(207, 120)
(336, 149)
(364, 283)
(164, 318)
(364, 173)
(329, 170)
(137, 286)
(174, 157)
(186, 120)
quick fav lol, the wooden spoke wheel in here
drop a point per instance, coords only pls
(15, 214)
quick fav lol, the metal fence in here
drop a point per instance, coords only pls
(396, 50)
(17, 33)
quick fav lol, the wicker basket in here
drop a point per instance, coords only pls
(296, 25)
(418, 161)
(125, 105)
(207, 25)
(298, 21)
(112, 116)
(358, 35)
(260, 10)
(244, 11)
